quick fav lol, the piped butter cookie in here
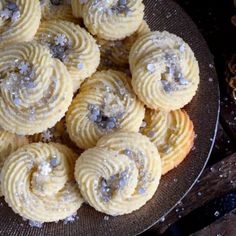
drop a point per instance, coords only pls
(38, 182)
(105, 103)
(165, 72)
(172, 133)
(120, 174)
(110, 20)
(35, 89)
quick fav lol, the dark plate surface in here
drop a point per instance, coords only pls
(203, 110)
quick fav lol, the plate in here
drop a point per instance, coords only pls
(203, 110)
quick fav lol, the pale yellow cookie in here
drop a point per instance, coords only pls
(74, 46)
(173, 135)
(117, 52)
(35, 90)
(165, 72)
(9, 143)
(57, 10)
(119, 175)
(105, 103)
(19, 20)
(38, 182)
(110, 20)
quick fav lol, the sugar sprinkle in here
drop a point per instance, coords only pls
(35, 224)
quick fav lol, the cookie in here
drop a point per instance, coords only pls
(173, 135)
(120, 174)
(165, 72)
(74, 46)
(110, 20)
(38, 182)
(9, 143)
(19, 21)
(105, 103)
(35, 90)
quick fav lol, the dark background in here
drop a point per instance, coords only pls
(213, 18)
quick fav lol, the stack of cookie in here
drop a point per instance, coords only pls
(89, 113)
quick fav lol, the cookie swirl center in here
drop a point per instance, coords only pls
(107, 115)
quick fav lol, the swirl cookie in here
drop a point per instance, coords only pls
(105, 103)
(173, 135)
(9, 143)
(57, 10)
(165, 72)
(19, 21)
(120, 174)
(117, 52)
(38, 182)
(110, 20)
(74, 46)
(35, 90)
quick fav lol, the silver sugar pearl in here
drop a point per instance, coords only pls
(128, 152)
(182, 81)
(151, 68)
(54, 162)
(217, 213)
(17, 101)
(110, 125)
(167, 86)
(80, 66)
(182, 47)
(122, 183)
(141, 191)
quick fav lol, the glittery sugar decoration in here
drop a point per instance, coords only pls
(108, 115)
(139, 160)
(47, 136)
(19, 77)
(109, 187)
(58, 45)
(10, 12)
(55, 161)
(104, 122)
(172, 79)
(121, 8)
